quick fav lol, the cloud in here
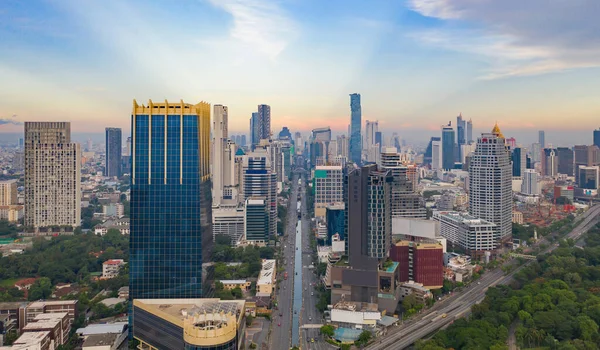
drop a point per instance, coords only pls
(11, 120)
(517, 37)
(262, 24)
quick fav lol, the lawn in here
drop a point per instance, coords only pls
(8, 283)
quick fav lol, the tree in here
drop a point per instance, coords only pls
(40, 289)
(410, 302)
(363, 338)
(327, 330)
(237, 293)
(223, 240)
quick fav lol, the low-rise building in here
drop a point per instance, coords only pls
(420, 262)
(52, 306)
(15, 311)
(56, 323)
(33, 341)
(355, 315)
(232, 284)
(124, 292)
(475, 235)
(517, 217)
(121, 224)
(111, 268)
(417, 289)
(267, 277)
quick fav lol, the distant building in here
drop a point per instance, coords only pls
(111, 268)
(565, 160)
(118, 224)
(448, 147)
(232, 284)
(114, 150)
(256, 223)
(517, 217)
(355, 129)
(597, 137)
(530, 185)
(405, 201)
(589, 177)
(328, 187)
(420, 262)
(285, 134)
(264, 122)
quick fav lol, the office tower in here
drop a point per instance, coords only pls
(470, 131)
(475, 235)
(371, 128)
(421, 262)
(335, 217)
(243, 141)
(436, 154)
(379, 140)
(260, 181)
(427, 157)
(257, 220)
(550, 162)
(530, 185)
(264, 122)
(328, 187)
(447, 147)
(171, 231)
(490, 186)
(254, 130)
(519, 161)
(52, 175)
(405, 201)
(21, 143)
(589, 177)
(355, 126)
(461, 125)
(285, 134)
(114, 149)
(597, 137)
(128, 147)
(89, 145)
(536, 152)
(565, 160)
(542, 139)
(343, 146)
(585, 156)
(465, 151)
(219, 141)
(319, 146)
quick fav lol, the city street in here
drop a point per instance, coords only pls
(282, 325)
(459, 305)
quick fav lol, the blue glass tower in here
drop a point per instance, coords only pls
(355, 125)
(447, 147)
(170, 200)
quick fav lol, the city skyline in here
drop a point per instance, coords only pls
(478, 59)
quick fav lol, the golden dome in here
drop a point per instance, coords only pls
(496, 131)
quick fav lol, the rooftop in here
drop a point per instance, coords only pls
(233, 281)
(267, 273)
(31, 338)
(114, 262)
(104, 328)
(100, 339)
(40, 304)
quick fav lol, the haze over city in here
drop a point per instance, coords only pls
(417, 63)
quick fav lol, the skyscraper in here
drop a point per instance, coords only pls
(565, 160)
(254, 130)
(52, 175)
(597, 137)
(542, 139)
(447, 146)
(470, 131)
(264, 122)
(519, 161)
(460, 134)
(355, 126)
(261, 182)
(585, 156)
(530, 185)
(490, 196)
(436, 154)
(371, 128)
(219, 133)
(405, 201)
(285, 134)
(171, 230)
(113, 152)
(550, 162)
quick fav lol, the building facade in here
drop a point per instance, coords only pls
(355, 147)
(256, 221)
(420, 262)
(448, 147)
(490, 185)
(405, 201)
(171, 230)
(475, 235)
(114, 150)
(52, 175)
(328, 186)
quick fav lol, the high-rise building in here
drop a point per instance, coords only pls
(328, 187)
(264, 122)
(589, 177)
(219, 142)
(355, 126)
(536, 152)
(427, 157)
(490, 184)
(260, 181)
(128, 147)
(254, 130)
(257, 220)
(8, 192)
(597, 137)
(371, 128)
(585, 156)
(342, 146)
(448, 147)
(405, 201)
(335, 218)
(52, 175)
(243, 141)
(530, 185)
(285, 134)
(519, 161)
(436, 154)
(565, 160)
(461, 126)
(114, 150)
(171, 231)
(470, 131)
(421, 262)
(473, 234)
(550, 161)
(542, 139)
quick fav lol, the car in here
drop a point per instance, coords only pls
(312, 293)
(281, 314)
(309, 318)
(478, 282)
(279, 324)
(312, 340)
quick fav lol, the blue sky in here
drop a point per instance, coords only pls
(417, 63)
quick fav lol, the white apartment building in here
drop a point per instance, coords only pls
(473, 234)
(111, 268)
(228, 220)
(530, 185)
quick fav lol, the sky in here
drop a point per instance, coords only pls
(528, 65)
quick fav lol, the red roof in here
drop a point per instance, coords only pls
(25, 282)
(113, 262)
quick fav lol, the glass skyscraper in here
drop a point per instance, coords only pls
(113, 152)
(170, 200)
(355, 125)
(447, 147)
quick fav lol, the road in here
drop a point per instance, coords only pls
(459, 305)
(310, 338)
(282, 325)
